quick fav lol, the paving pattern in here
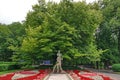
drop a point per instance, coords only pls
(58, 77)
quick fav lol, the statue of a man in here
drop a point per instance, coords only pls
(58, 62)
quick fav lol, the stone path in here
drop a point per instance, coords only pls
(58, 77)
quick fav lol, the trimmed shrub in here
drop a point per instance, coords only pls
(28, 67)
(45, 67)
(4, 66)
(71, 68)
(116, 67)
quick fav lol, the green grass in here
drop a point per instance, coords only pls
(10, 71)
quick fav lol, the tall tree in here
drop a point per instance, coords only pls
(67, 26)
(108, 32)
(5, 34)
(15, 40)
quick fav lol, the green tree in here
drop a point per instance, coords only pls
(18, 31)
(5, 52)
(67, 26)
(36, 17)
(46, 39)
(108, 32)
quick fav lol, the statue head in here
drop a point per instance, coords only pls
(59, 54)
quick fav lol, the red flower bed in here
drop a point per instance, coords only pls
(7, 76)
(87, 75)
(37, 76)
(40, 76)
(105, 77)
(33, 75)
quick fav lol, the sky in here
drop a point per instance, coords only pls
(16, 10)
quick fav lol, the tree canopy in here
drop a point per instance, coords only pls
(67, 26)
(84, 33)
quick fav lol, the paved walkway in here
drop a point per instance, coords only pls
(58, 77)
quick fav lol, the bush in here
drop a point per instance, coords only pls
(4, 66)
(27, 67)
(116, 67)
(45, 67)
(71, 68)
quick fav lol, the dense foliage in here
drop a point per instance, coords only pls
(108, 36)
(67, 26)
(84, 33)
(4, 66)
(10, 35)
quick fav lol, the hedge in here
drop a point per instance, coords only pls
(4, 66)
(116, 67)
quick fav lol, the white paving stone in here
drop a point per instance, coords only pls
(58, 77)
